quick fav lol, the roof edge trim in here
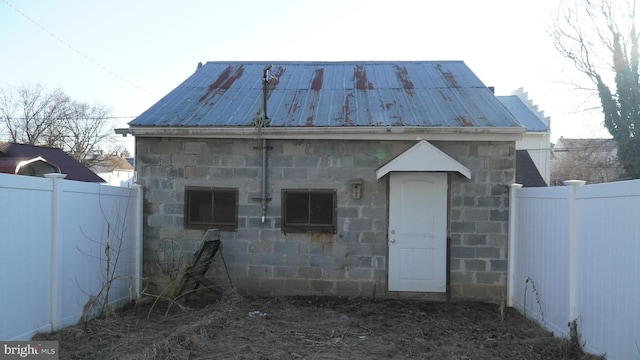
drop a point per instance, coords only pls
(337, 133)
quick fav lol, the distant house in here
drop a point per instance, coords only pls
(592, 160)
(533, 158)
(116, 170)
(40, 160)
(344, 178)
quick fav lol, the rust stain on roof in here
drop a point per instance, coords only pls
(451, 79)
(224, 81)
(318, 76)
(386, 105)
(403, 76)
(360, 75)
(396, 120)
(445, 95)
(346, 110)
(463, 121)
(293, 107)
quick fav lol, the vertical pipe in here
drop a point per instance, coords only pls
(265, 82)
(573, 248)
(264, 180)
(513, 219)
(263, 146)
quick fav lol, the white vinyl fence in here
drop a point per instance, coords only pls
(574, 254)
(61, 243)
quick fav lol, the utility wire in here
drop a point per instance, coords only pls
(79, 118)
(77, 51)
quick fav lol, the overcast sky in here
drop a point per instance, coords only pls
(128, 54)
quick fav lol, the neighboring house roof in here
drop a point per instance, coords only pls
(521, 111)
(442, 95)
(67, 164)
(527, 173)
(524, 96)
(592, 160)
(608, 147)
(37, 166)
(108, 163)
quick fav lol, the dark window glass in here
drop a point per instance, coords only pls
(309, 210)
(297, 205)
(209, 207)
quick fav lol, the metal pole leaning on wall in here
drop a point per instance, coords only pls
(573, 247)
(56, 237)
(511, 279)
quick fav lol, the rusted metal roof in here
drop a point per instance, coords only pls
(331, 94)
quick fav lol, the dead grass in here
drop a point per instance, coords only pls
(236, 327)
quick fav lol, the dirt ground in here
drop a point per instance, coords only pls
(236, 327)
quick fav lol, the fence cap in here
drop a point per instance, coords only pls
(55, 176)
(574, 182)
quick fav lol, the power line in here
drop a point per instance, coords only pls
(78, 51)
(78, 118)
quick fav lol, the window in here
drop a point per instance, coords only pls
(211, 207)
(309, 210)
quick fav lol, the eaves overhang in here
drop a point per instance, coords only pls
(333, 133)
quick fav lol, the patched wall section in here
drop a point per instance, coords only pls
(261, 259)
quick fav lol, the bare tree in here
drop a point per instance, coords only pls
(593, 160)
(599, 37)
(85, 127)
(37, 116)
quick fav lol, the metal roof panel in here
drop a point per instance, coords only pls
(332, 94)
(529, 119)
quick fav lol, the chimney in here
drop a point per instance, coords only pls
(492, 89)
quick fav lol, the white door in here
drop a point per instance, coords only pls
(417, 231)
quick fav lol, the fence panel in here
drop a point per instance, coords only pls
(539, 292)
(608, 285)
(607, 244)
(100, 242)
(53, 237)
(25, 261)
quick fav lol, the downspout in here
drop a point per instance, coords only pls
(263, 146)
(264, 180)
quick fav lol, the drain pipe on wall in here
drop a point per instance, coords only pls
(264, 180)
(263, 145)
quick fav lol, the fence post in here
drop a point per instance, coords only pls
(56, 256)
(512, 243)
(573, 247)
(137, 246)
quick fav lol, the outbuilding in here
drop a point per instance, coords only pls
(384, 178)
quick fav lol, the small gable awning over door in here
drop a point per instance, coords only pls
(423, 157)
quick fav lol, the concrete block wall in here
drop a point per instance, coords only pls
(261, 259)
(479, 219)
